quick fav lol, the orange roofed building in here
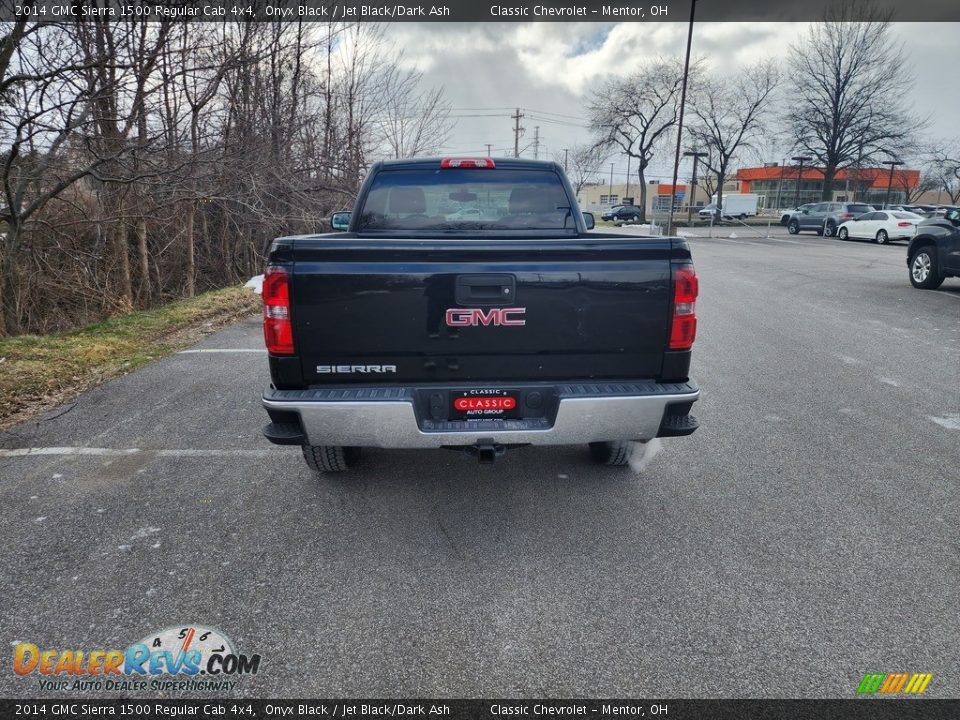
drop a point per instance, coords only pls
(777, 185)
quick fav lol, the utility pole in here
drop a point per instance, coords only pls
(610, 185)
(489, 145)
(566, 151)
(683, 102)
(516, 132)
(536, 142)
(693, 184)
(892, 164)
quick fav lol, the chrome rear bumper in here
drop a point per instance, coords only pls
(586, 412)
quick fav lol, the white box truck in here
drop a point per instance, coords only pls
(737, 205)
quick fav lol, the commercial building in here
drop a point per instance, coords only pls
(776, 185)
(601, 196)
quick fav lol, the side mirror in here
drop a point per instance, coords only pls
(340, 221)
(589, 221)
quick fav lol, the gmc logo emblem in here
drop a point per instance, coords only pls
(460, 317)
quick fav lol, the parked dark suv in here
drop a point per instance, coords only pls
(622, 212)
(825, 217)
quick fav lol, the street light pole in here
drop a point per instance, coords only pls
(780, 186)
(801, 159)
(693, 184)
(626, 192)
(892, 164)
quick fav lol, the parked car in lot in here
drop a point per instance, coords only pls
(881, 226)
(785, 217)
(824, 218)
(934, 253)
(622, 213)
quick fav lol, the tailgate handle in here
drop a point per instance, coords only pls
(485, 289)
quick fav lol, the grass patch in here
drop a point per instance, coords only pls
(38, 372)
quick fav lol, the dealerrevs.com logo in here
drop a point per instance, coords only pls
(176, 658)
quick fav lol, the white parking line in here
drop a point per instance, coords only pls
(950, 422)
(20, 452)
(223, 350)
(185, 452)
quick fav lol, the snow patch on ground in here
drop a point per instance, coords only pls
(256, 284)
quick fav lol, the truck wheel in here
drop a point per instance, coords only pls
(793, 227)
(924, 272)
(617, 452)
(330, 458)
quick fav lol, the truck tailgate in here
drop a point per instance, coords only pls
(404, 310)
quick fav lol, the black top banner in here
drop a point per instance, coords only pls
(75, 708)
(470, 10)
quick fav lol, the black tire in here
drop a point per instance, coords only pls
(843, 234)
(882, 237)
(617, 452)
(931, 279)
(820, 231)
(330, 458)
(830, 230)
(635, 218)
(793, 227)
(784, 220)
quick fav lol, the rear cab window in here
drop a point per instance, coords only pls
(451, 200)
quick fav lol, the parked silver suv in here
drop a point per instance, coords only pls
(824, 218)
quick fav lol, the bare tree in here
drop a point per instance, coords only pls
(846, 77)
(729, 115)
(583, 163)
(414, 122)
(944, 165)
(142, 162)
(638, 113)
(54, 94)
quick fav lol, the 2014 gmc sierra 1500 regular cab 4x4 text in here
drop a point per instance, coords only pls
(469, 307)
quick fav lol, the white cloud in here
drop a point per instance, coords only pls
(552, 67)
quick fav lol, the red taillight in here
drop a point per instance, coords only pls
(904, 224)
(448, 163)
(683, 328)
(846, 216)
(277, 328)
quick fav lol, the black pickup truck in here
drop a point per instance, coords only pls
(467, 306)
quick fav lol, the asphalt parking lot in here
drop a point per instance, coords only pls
(805, 535)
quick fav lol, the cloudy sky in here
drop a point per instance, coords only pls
(549, 70)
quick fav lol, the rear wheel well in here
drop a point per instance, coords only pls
(919, 246)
